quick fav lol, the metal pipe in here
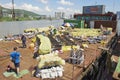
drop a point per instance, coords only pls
(13, 12)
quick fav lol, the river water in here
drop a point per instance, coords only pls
(17, 27)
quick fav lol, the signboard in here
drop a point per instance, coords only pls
(99, 9)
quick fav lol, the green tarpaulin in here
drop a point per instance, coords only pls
(23, 72)
(7, 74)
(118, 66)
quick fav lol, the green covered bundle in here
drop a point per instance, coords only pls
(45, 45)
(51, 59)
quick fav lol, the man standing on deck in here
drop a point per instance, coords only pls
(23, 38)
(15, 58)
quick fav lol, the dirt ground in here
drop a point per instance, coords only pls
(27, 62)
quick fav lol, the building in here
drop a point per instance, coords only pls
(91, 17)
(118, 23)
(94, 13)
(118, 15)
(19, 14)
(6, 13)
(88, 17)
(97, 9)
(59, 15)
(0, 11)
(43, 16)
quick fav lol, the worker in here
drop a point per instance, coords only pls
(23, 38)
(72, 55)
(15, 58)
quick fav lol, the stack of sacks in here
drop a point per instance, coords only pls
(50, 66)
(85, 32)
(50, 60)
(52, 72)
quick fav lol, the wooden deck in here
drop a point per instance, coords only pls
(77, 71)
(71, 72)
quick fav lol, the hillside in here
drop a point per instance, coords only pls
(29, 13)
(25, 12)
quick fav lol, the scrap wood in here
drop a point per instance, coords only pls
(114, 58)
(18, 41)
(104, 48)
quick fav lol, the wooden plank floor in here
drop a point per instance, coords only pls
(91, 54)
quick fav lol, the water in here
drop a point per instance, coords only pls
(17, 27)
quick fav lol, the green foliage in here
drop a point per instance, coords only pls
(6, 19)
(23, 18)
(27, 15)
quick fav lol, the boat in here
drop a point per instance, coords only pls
(93, 54)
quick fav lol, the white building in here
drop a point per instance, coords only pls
(0, 11)
(59, 15)
(118, 23)
(118, 15)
